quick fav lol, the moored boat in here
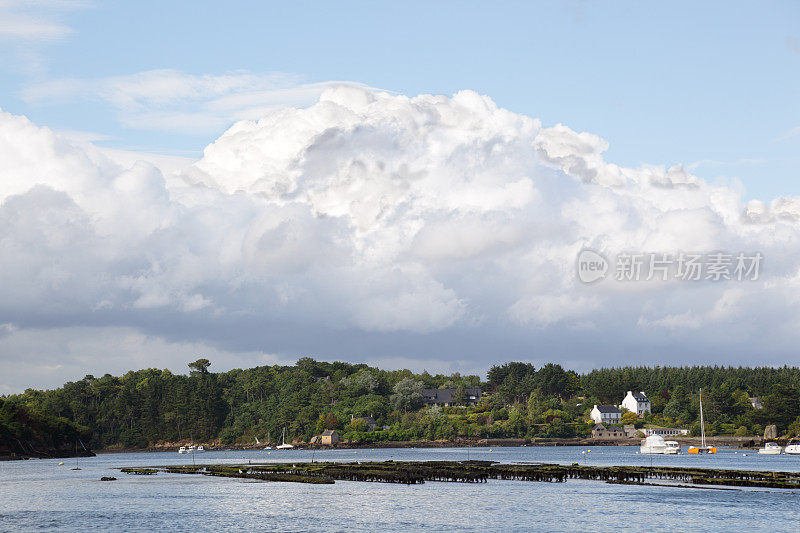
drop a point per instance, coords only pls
(793, 447)
(283, 445)
(770, 448)
(703, 448)
(655, 444)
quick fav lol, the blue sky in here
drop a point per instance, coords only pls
(711, 84)
(358, 221)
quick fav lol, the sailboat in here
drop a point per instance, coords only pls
(258, 442)
(703, 448)
(283, 445)
(77, 467)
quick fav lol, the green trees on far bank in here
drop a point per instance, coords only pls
(27, 432)
(240, 406)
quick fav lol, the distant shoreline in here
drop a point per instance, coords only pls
(736, 442)
(47, 455)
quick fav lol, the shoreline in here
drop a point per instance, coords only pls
(47, 455)
(733, 442)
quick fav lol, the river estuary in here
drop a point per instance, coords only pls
(41, 495)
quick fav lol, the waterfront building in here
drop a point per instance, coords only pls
(601, 432)
(330, 437)
(606, 414)
(636, 402)
(371, 423)
(445, 397)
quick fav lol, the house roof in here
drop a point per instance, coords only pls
(607, 409)
(368, 419)
(639, 396)
(446, 395)
(329, 432)
(610, 428)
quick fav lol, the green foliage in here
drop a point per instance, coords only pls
(407, 394)
(228, 436)
(25, 429)
(238, 406)
(201, 365)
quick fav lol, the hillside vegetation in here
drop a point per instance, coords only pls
(149, 406)
(33, 432)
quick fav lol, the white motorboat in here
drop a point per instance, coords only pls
(191, 449)
(283, 445)
(672, 445)
(793, 448)
(770, 448)
(655, 444)
(182, 449)
(200, 449)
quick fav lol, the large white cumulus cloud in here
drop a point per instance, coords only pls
(382, 216)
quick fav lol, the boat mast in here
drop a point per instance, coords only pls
(702, 423)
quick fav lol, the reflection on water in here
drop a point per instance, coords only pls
(43, 495)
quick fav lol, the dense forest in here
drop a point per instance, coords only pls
(150, 406)
(28, 432)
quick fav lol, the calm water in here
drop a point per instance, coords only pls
(40, 495)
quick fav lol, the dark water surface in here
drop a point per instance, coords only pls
(40, 495)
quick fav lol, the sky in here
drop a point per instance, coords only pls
(407, 185)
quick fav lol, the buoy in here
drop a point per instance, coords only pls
(60, 464)
(269, 453)
(490, 449)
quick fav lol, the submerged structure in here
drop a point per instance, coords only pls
(416, 472)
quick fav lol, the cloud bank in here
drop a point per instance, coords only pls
(373, 227)
(34, 20)
(177, 102)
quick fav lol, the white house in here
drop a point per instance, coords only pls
(636, 402)
(606, 414)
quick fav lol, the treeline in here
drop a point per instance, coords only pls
(149, 406)
(606, 383)
(35, 433)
